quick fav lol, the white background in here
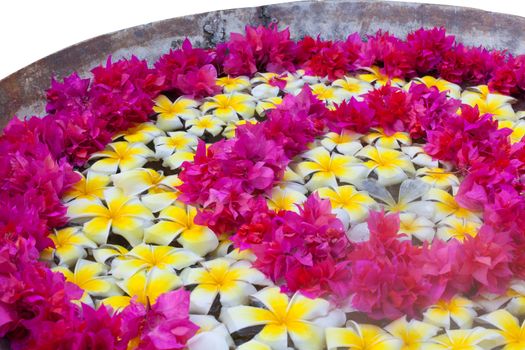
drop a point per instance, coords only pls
(32, 29)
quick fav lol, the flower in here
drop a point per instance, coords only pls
(499, 106)
(89, 187)
(145, 257)
(266, 104)
(328, 94)
(393, 141)
(420, 227)
(453, 227)
(282, 318)
(211, 334)
(518, 129)
(70, 244)
(326, 169)
(91, 278)
(283, 198)
(226, 107)
(230, 279)
(170, 113)
(463, 338)
(445, 205)
(229, 130)
(376, 77)
(437, 177)
(175, 141)
(452, 90)
(459, 309)
(352, 87)
(360, 336)
(511, 331)
(355, 203)
(232, 84)
(206, 123)
(177, 222)
(142, 133)
(121, 156)
(345, 142)
(124, 215)
(414, 334)
(390, 166)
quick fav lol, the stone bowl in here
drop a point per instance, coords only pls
(22, 93)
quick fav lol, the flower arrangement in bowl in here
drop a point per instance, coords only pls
(271, 194)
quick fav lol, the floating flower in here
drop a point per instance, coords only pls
(121, 155)
(499, 106)
(254, 345)
(361, 336)
(230, 279)
(211, 334)
(124, 215)
(452, 90)
(233, 84)
(176, 141)
(418, 156)
(171, 113)
(518, 129)
(374, 76)
(414, 334)
(91, 278)
(227, 107)
(106, 252)
(352, 87)
(143, 133)
(70, 245)
(267, 104)
(282, 318)
(177, 222)
(206, 123)
(517, 294)
(454, 227)
(326, 169)
(145, 257)
(390, 166)
(393, 141)
(445, 205)
(264, 85)
(355, 203)
(328, 94)
(229, 131)
(509, 329)
(438, 177)
(283, 198)
(416, 226)
(463, 339)
(345, 142)
(458, 309)
(90, 186)
(136, 181)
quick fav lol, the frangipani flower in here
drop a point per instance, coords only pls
(445, 205)
(419, 157)
(437, 177)
(176, 159)
(211, 334)
(90, 186)
(360, 337)
(145, 257)
(409, 197)
(206, 123)
(346, 142)
(417, 226)
(177, 222)
(230, 279)
(124, 215)
(70, 245)
(176, 141)
(232, 84)
(390, 166)
(518, 129)
(106, 252)
(227, 107)
(284, 198)
(394, 141)
(229, 131)
(145, 287)
(91, 278)
(497, 105)
(454, 227)
(352, 87)
(453, 90)
(463, 339)
(282, 318)
(414, 335)
(254, 345)
(355, 203)
(226, 249)
(459, 309)
(374, 76)
(121, 155)
(326, 169)
(509, 328)
(143, 133)
(516, 306)
(329, 94)
(262, 87)
(171, 113)
(267, 103)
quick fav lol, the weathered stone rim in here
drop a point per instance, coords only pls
(22, 93)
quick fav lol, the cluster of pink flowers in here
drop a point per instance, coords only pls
(226, 179)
